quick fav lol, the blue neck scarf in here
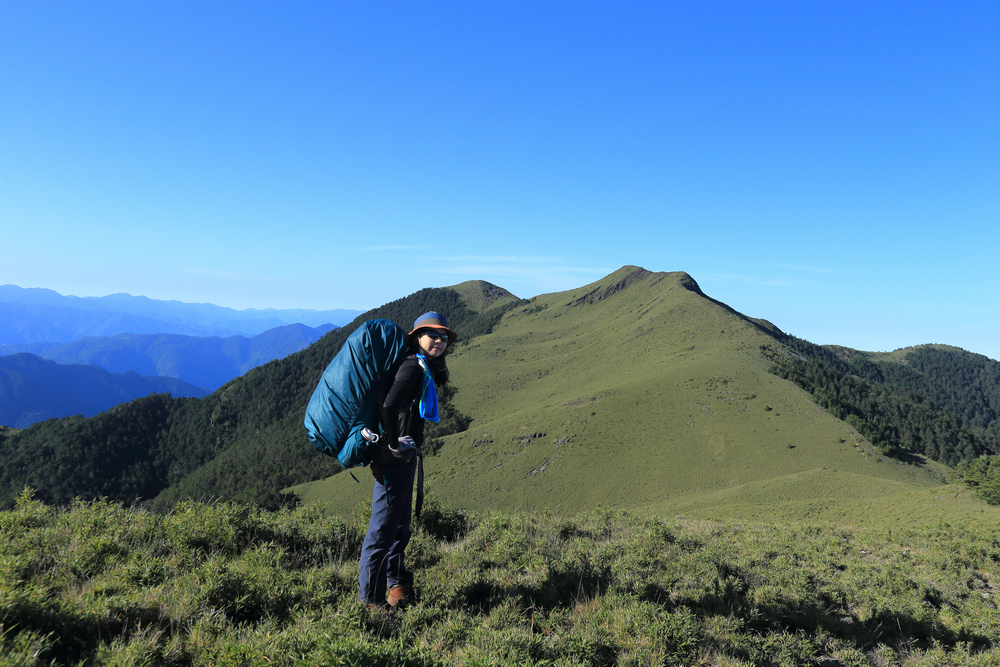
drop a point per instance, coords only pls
(428, 394)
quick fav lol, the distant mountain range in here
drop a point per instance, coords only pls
(34, 315)
(635, 392)
(206, 362)
(33, 389)
(143, 345)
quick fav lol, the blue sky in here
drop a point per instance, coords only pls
(833, 167)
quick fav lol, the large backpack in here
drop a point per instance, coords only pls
(345, 400)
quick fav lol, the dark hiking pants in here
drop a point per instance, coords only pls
(388, 532)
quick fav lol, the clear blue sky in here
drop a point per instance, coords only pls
(833, 167)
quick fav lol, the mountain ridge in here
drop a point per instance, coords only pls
(244, 441)
(648, 352)
(636, 391)
(33, 389)
(203, 361)
(689, 410)
(36, 315)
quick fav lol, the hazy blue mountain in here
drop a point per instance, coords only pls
(37, 323)
(34, 315)
(33, 389)
(207, 362)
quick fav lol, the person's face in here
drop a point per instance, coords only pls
(432, 342)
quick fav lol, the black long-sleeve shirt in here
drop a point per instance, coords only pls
(400, 410)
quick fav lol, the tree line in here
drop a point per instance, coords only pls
(941, 403)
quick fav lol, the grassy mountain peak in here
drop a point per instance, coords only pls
(481, 296)
(639, 391)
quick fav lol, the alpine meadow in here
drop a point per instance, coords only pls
(639, 392)
(630, 472)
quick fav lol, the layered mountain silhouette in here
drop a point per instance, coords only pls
(33, 389)
(636, 392)
(207, 362)
(34, 315)
(202, 345)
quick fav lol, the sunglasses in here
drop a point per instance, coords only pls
(435, 335)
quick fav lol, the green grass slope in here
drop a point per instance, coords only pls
(639, 392)
(226, 585)
(481, 296)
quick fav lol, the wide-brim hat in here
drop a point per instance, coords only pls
(433, 320)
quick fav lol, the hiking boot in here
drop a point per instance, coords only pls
(379, 607)
(401, 596)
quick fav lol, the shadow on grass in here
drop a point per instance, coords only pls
(783, 614)
(74, 636)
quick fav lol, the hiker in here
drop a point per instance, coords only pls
(405, 402)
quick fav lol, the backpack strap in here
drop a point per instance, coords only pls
(419, 503)
(420, 484)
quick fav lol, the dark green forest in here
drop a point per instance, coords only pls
(242, 443)
(940, 403)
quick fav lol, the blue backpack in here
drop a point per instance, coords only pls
(345, 400)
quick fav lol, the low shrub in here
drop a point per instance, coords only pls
(99, 583)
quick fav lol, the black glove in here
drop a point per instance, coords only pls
(403, 452)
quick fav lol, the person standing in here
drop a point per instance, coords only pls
(406, 402)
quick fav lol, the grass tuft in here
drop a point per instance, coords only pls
(99, 583)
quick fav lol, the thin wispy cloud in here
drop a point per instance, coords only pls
(392, 248)
(746, 280)
(221, 273)
(225, 277)
(930, 307)
(807, 269)
(514, 265)
(528, 274)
